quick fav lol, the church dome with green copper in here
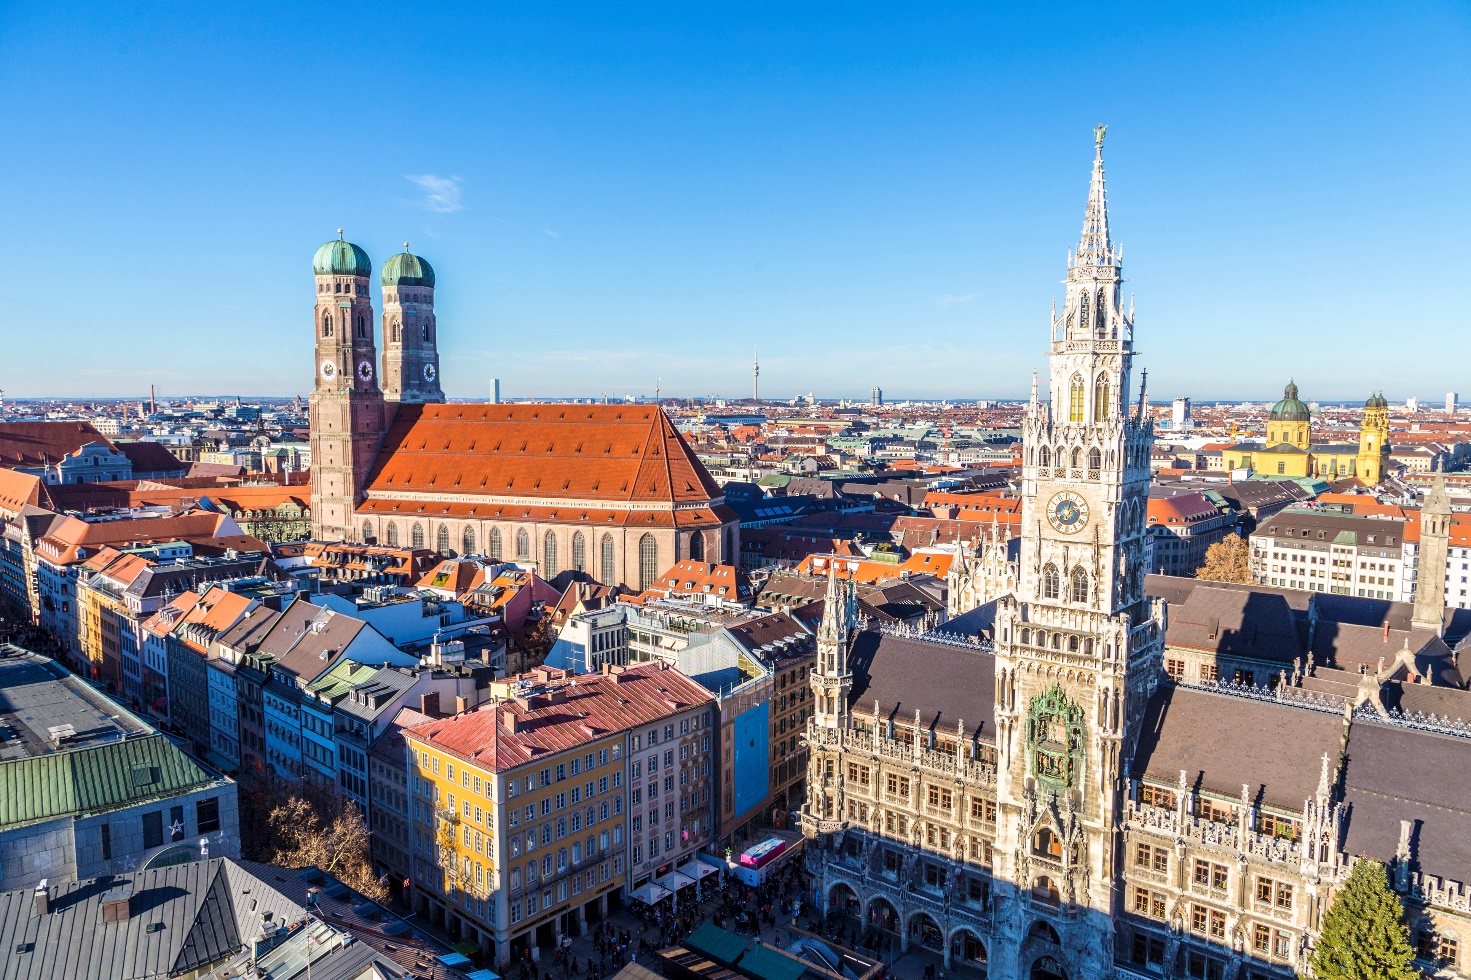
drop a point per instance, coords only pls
(341, 258)
(1290, 409)
(407, 269)
(1377, 400)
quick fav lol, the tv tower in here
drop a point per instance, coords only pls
(755, 375)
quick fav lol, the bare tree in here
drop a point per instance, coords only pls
(1228, 560)
(313, 827)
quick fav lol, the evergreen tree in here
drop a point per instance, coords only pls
(1363, 936)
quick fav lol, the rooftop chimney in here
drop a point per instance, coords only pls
(511, 722)
(43, 898)
(429, 703)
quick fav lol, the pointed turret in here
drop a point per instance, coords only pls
(831, 680)
(1094, 247)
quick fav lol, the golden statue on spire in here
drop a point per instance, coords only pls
(1098, 132)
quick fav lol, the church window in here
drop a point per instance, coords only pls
(697, 546)
(469, 541)
(1100, 316)
(441, 540)
(1080, 584)
(494, 546)
(362, 326)
(393, 535)
(1077, 457)
(416, 535)
(394, 327)
(1072, 644)
(579, 552)
(367, 532)
(549, 555)
(1025, 636)
(648, 561)
(1095, 463)
(1044, 457)
(1101, 399)
(427, 336)
(608, 569)
(326, 324)
(1083, 314)
(1050, 583)
(523, 544)
(1075, 400)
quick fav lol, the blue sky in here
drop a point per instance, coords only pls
(620, 192)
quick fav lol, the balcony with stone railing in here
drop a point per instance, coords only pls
(1227, 836)
(894, 750)
(1441, 892)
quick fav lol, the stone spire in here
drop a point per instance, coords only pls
(833, 631)
(1094, 247)
(831, 681)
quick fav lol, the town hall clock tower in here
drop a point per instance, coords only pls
(1077, 644)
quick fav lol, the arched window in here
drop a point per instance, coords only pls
(549, 555)
(609, 571)
(1083, 316)
(469, 541)
(1050, 582)
(394, 327)
(393, 535)
(1101, 317)
(648, 561)
(523, 543)
(1077, 457)
(441, 540)
(416, 535)
(494, 546)
(367, 532)
(579, 552)
(1044, 457)
(326, 324)
(1045, 891)
(1075, 400)
(1095, 462)
(1025, 636)
(1080, 585)
(362, 325)
(1101, 400)
(1045, 843)
(697, 546)
(426, 331)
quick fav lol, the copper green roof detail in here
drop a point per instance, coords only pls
(407, 269)
(1377, 400)
(341, 258)
(1290, 409)
(98, 779)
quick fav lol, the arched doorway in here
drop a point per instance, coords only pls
(842, 900)
(967, 949)
(882, 917)
(1047, 968)
(924, 930)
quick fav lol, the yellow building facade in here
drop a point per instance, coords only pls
(1289, 451)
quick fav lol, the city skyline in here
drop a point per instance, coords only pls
(612, 201)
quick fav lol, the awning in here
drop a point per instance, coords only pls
(674, 881)
(455, 959)
(651, 894)
(699, 869)
(483, 975)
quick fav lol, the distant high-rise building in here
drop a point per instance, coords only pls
(495, 391)
(876, 397)
(1451, 400)
(1180, 414)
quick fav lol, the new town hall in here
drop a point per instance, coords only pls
(1049, 796)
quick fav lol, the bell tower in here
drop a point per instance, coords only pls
(347, 420)
(1077, 644)
(1373, 455)
(410, 334)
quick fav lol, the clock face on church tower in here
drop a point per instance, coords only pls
(1067, 512)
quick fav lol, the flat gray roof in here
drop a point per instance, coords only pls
(41, 700)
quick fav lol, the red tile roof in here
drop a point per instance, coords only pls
(609, 453)
(571, 711)
(35, 443)
(1181, 509)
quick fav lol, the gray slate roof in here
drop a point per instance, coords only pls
(947, 684)
(207, 910)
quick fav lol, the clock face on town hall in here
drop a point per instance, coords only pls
(1067, 512)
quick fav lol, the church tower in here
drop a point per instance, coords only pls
(1373, 456)
(347, 419)
(1430, 568)
(831, 678)
(410, 352)
(1077, 644)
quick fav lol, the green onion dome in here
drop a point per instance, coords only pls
(341, 258)
(407, 269)
(1290, 409)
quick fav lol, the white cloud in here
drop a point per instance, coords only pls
(549, 233)
(947, 301)
(441, 194)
